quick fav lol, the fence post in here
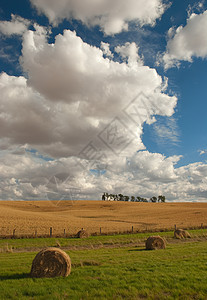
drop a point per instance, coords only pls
(132, 228)
(100, 230)
(201, 225)
(50, 231)
(36, 233)
(175, 227)
(14, 230)
(64, 232)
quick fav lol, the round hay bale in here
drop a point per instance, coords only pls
(82, 234)
(181, 234)
(155, 242)
(51, 262)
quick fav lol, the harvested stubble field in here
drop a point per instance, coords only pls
(30, 216)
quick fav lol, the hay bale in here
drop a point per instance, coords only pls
(155, 242)
(82, 234)
(181, 234)
(51, 262)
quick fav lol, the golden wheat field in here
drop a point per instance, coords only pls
(30, 216)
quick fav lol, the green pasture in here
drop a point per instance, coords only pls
(117, 269)
(29, 244)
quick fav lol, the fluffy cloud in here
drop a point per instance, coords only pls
(17, 26)
(145, 174)
(24, 116)
(73, 71)
(84, 92)
(28, 118)
(202, 152)
(112, 16)
(105, 47)
(77, 104)
(71, 128)
(155, 166)
(188, 41)
(130, 52)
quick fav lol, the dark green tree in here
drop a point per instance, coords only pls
(161, 198)
(153, 199)
(138, 199)
(121, 197)
(132, 198)
(126, 198)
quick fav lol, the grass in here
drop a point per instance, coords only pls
(129, 272)
(91, 242)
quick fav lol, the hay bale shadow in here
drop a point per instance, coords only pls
(14, 276)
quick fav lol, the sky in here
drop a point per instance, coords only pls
(103, 96)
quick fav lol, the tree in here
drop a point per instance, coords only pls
(126, 198)
(153, 199)
(139, 199)
(132, 198)
(121, 197)
(161, 198)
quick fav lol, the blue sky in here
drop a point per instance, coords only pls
(71, 70)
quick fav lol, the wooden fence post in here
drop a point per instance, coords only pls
(14, 230)
(132, 228)
(50, 231)
(201, 225)
(64, 233)
(100, 230)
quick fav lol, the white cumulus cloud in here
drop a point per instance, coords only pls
(112, 16)
(129, 52)
(84, 91)
(17, 26)
(187, 41)
(105, 47)
(78, 110)
(145, 174)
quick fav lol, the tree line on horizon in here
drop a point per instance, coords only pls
(120, 197)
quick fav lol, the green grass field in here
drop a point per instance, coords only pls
(109, 267)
